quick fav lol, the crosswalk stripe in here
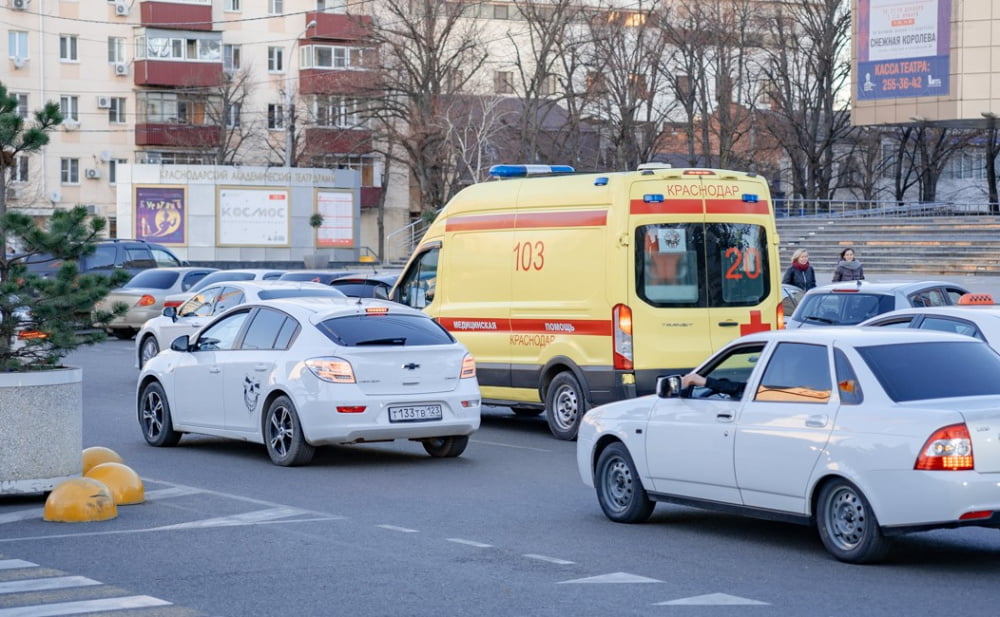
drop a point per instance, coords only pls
(11, 564)
(43, 584)
(83, 606)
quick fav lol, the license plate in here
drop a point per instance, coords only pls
(415, 413)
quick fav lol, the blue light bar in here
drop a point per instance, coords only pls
(750, 198)
(520, 171)
(652, 198)
(601, 181)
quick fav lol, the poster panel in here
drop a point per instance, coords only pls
(255, 216)
(903, 48)
(337, 210)
(160, 214)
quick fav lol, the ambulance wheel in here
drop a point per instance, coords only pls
(565, 405)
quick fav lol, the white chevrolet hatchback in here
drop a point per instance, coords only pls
(298, 373)
(863, 432)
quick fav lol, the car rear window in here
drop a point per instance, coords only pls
(153, 279)
(835, 309)
(922, 371)
(359, 330)
(273, 294)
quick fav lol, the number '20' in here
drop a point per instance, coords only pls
(749, 258)
(529, 256)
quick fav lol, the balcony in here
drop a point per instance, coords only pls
(189, 15)
(177, 73)
(343, 82)
(323, 140)
(176, 135)
(370, 196)
(339, 27)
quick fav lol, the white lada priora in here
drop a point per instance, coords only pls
(298, 373)
(863, 432)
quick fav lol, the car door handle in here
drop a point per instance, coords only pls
(214, 369)
(818, 421)
(728, 324)
(724, 417)
(260, 368)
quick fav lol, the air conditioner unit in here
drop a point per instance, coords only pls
(19, 5)
(92, 174)
(103, 102)
(18, 62)
(121, 9)
(13, 192)
(121, 69)
(91, 208)
(71, 125)
(55, 197)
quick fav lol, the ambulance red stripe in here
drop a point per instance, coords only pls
(581, 327)
(528, 220)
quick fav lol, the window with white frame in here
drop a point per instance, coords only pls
(116, 49)
(335, 57)
(22, 104)
(67, 48)
(17, 44)
(232, 5)
(504, 82)
(116, 113)
(69, 171)
(331, 6)
(69, 107)
(171, 48)
(369, 166)
(341, 112)
(113, 165)
(173, 108)
(275, 59)
(231, 58)
(233, 115)
(549, 85)
(275, 7)
(20, 171)
(276, 117)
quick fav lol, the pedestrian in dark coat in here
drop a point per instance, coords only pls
(849, 268)
(800, 273)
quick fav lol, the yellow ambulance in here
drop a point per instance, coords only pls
(573, 290)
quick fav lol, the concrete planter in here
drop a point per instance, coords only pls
(41, 429)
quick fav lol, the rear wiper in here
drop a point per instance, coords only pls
(383, 341)
(818, 318)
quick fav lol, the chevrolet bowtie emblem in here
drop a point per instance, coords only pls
(411, 366)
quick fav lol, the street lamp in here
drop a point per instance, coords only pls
(289, 108)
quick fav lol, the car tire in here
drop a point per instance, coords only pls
(527, 412)
(286, 443)
(154, 417)
(619, 489)
(565, 404)
(847, 525)
(123, 334)
(446, 447)
(148, 349)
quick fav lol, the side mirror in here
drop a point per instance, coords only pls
(181, 343)
(171, 312)
(669, 386)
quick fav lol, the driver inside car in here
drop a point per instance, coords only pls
(732, 389)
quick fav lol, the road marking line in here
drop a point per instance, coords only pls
(42, 584)
(11, 564)
(22, 515)
(615, 577)
(713, 599)
(83, 606)
(394, 528)
(246, 518)
(173, 491)
(508, 445)
(470, 543)
(555, 560)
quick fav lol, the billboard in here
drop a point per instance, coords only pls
(337, 210)
(903, 48)
(252, 216)
(160, 214)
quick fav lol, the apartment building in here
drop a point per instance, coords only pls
(190, 82)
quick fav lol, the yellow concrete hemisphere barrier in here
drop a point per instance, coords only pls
(80, 500)
(124, 483)
(98, 454)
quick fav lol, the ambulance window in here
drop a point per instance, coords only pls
(667, 264)
(737, 259)
(416, 288)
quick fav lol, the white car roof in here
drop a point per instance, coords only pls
(268, 284)
(318, 308)
(856, 336)
(967, 311)
(885, 286)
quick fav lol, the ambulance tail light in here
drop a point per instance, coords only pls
(779, 317)
(621, 318)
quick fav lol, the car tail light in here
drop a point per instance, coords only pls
(948, 449)
(350, 408)
(468, 367)
(621, 319)
(173, 303)
(146, 300)
(376, 310)
(31, 334)
(333, 370)
(976, 515)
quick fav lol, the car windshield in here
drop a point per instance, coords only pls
(922, 371)
(842, 309)
(153, 279)
(272, 294)
(215, 277)
(381, 329)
